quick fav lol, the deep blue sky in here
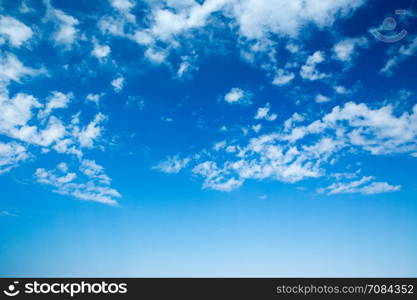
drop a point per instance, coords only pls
(208, 138)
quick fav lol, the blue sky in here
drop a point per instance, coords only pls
(208, 138)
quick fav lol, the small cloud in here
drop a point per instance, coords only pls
(56, 101)
(237, 96)
(118, 83)
(365, 186)
(172, 165)
(67, 32)
(167, 119)
(100, 51)
(403, 53)
(14, 31)
(256, 127)
(341, 90)
(97, 188)
(322, 99)
(345, 50)
(219, 145)
(263, 113)
(309, 69)
(135, 101)
(282, 77)
(6, 213)
(94, 98)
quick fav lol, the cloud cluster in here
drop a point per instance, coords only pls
(66, 32)
(96, 187)
(172, 165)
(169, 25)
(29, 124)
(365, 185)
(238, 96)
(11, 154)
(14, 31)
(301, 151)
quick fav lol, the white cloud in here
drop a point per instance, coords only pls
(11, 154)
(258, 18)
(88, 134)
(309, 71)
(322, 98)
(167, 119)
(300, 151)
(282, 77)
(172, 165)
(25, 119)
(184, 66)
(263, 113)
(341, 90)
(346, 49)
(5, 213)
(55, 101)
(16, 112)
(24, 8)
(94, 98)
(404, 52)
(94, 171)
(365, 185)
(94, 189)
(14, 31)
(11, 69)
(170, 23)
(378, 131)
(100, 51)
(67, 32)
(257, 127)
(156, 56)
(292, 48)
(118, 83)
(123, 5)
(124, 8)
(219, 145)
(214, 177)
(295, 118)
(238, 96)
(187, 65)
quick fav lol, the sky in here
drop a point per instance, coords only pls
(184, 138)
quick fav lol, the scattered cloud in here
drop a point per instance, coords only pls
(11, 154)
(283, 77)
(100, 51)
(365, 185)
(322, 98)
(172, 165)
(238, 96)
(118, 83)
(96, 188)
(14, 31)
(12, 69)
(263, 113)
(94, 98)
(309, 69)
(66, 33)
(339, 89)
(404, 52)
(345, 50)
(299, 151)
